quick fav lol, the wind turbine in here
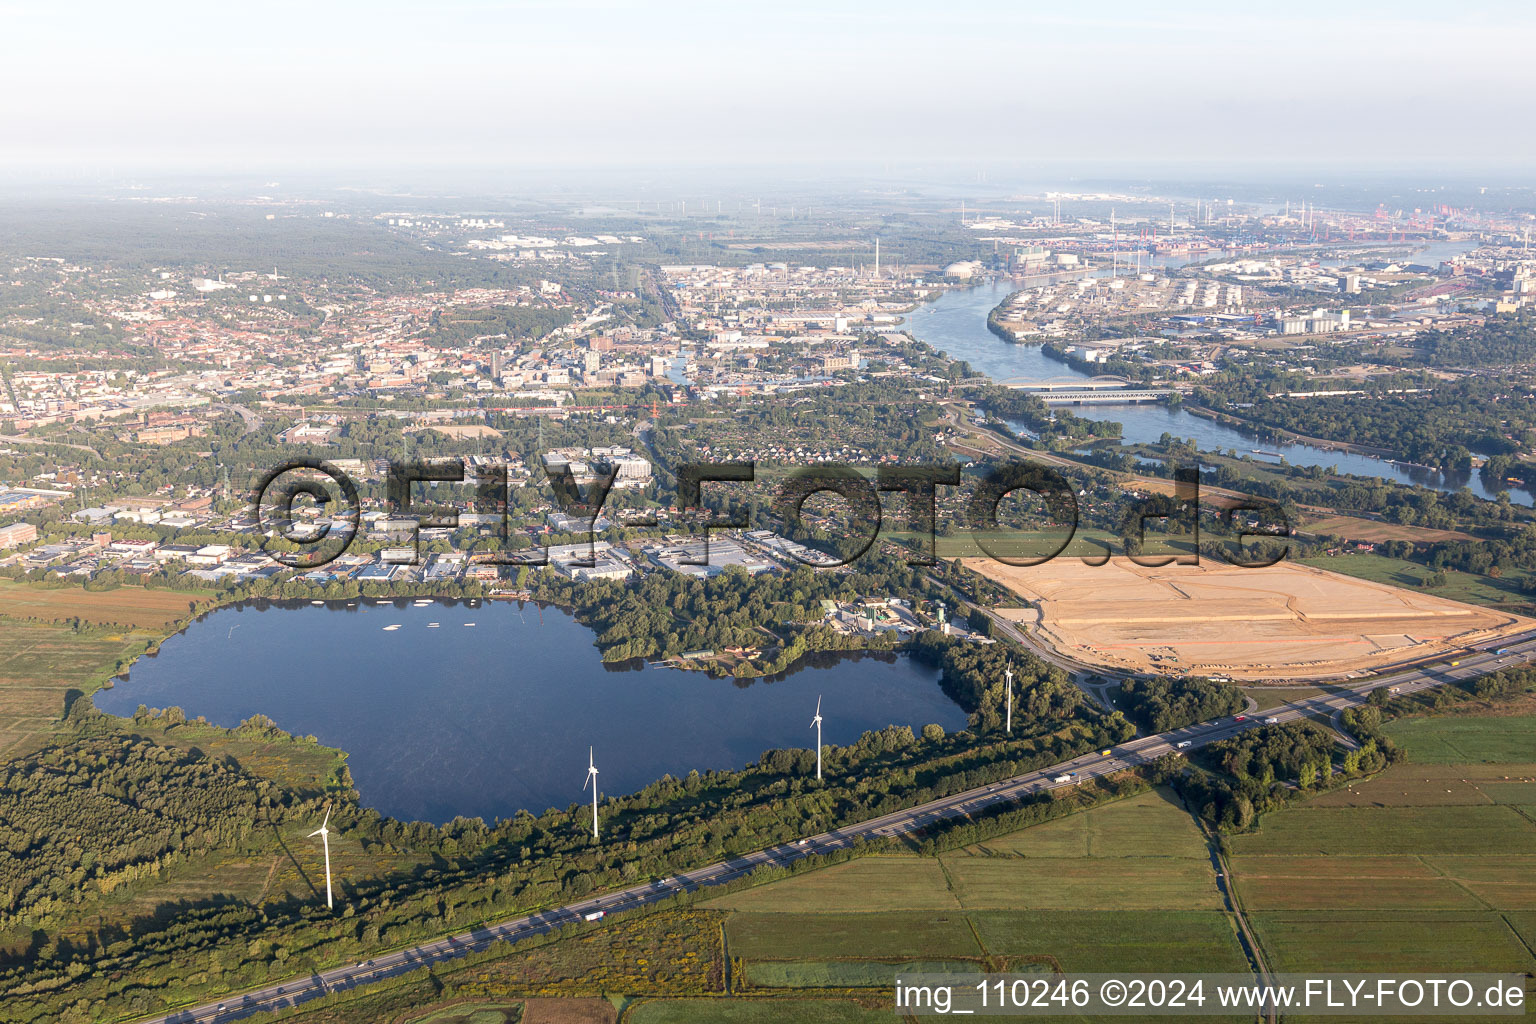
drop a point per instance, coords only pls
(816, 724)
(325, 839)
(592, 780)
(1008, 675)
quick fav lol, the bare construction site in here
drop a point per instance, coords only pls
(1286, 622)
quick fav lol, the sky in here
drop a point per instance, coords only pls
(208, 86)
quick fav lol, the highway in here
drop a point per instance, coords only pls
(1134, 753)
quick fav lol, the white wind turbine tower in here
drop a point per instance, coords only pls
(325, 838)
(816, 724)
(1008, 675)
(592, 781)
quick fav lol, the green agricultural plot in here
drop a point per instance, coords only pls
(867, 884)
(1524, 926)
(1388, 830)
(1152, 825)
(1501, 881)
(1428, 785)
(1128, 940)
(1087, 542)
(483, 1014)
(1465, 739)
(756, 1011)
(1392, 941)
(878, 974)
(1108, 883)
(128, 607)
(813, 936)
(1334, 883)
(1459, 586)
(39, 664)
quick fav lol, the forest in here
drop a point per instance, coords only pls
(1159, 704)
(1500, 341)
(1441, 425)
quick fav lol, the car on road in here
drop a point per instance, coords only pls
(1182, 744)
(1239, 718)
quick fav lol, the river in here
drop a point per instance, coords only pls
(956, 323)
(489, 719)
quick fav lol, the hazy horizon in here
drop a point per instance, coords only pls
(610, 85)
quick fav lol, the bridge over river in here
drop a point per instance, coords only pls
(1106, 390)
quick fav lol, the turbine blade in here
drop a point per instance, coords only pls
(316, 832)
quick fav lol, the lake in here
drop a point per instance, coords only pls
(495, 717)
(956, 323)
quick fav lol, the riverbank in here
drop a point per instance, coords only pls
(995, 325)
(1281, 436)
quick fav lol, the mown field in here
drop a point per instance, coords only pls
(1429, 866)
(55, 639)
(1467, 739)
(130, 607)
(1087, 542)
(40, 663)
(756, 1011)
(1125, 885)
(1459, 586)
(1374, 531)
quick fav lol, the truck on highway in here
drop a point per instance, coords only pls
(1063, 778)
(1271, 720)
(596, 915)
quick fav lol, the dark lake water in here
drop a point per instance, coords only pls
(489, 719)
(956, 323)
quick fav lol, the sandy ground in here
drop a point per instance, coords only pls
(1284, 622)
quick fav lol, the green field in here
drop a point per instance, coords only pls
(1125, 885)
(129, 607)
(1086, 542)
(1149, 826)
(1429, 865)
(1395, 941)
(1334, 883)
(877, 974)
(866, 884)
(1465, 739)
(1426, 785)
(1141, 853)
(818, 936)
(755, 1011)
(1459, 586)
(481, 1014)
(1110, 883)
(39, 664)
(1121, 940)
(1388, 830)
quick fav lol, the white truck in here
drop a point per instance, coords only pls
(596, 915)
(1063, 778)
(1271, 720)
